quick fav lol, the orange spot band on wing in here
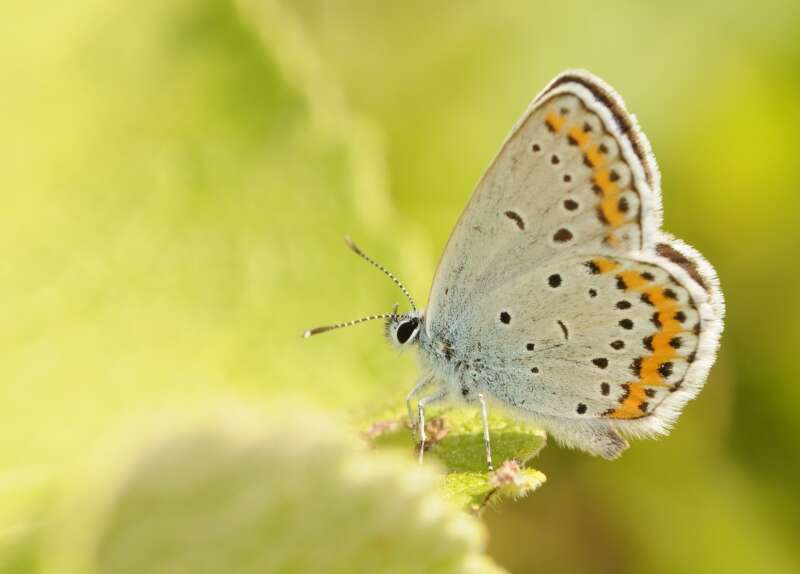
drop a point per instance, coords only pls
(555, 122)
(631, 407)
(635, 405)
(611, 212)
(609, 205)
(605, 265)
(634, 280)
(601, 175)
(580, 137)
(594, 156)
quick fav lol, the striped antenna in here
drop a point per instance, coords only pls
(377, 265)
(326, 328)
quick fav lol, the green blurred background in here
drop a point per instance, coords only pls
(177, 177)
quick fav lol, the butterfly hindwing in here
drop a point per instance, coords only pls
(557, 276)
(609, 338)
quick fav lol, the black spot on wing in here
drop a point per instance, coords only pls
(516, 218)
(562, 235)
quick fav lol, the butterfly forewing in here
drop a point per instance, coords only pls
(565, 181)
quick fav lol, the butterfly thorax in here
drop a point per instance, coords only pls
(460, 369)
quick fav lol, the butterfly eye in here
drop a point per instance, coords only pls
(406, 330)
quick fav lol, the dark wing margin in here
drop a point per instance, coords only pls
(684, 262)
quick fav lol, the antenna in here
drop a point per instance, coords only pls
(326, 328)
(389, 274)
(377, 265)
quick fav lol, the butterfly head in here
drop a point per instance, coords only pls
(403, 330)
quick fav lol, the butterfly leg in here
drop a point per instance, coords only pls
(421, 418)
(421, 384)
(486, 443)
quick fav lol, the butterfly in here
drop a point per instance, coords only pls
(558, 296)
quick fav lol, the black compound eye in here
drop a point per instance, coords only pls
(405, 330)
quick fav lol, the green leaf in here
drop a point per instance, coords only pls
(455, 441)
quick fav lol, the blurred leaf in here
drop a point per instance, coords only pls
(245, 494)
(20, 552)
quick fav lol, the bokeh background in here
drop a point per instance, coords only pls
(176, 178)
